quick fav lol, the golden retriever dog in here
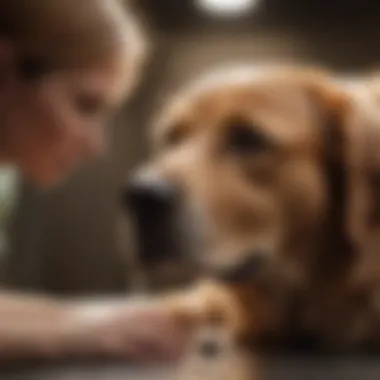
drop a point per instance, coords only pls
(268, 181)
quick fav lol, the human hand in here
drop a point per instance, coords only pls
(135, 330)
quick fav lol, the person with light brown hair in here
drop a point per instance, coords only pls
(65, 65)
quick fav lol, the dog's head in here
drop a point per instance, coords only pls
(254, 170)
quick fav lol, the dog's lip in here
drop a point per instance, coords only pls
(245, 269)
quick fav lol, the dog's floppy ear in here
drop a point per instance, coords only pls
(350, 137)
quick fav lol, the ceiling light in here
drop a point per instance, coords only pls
(226, 7)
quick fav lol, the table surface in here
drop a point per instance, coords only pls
(285, 369)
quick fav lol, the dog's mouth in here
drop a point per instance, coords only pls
(240, 266)
(240, 272)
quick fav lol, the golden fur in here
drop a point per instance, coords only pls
(308, 201)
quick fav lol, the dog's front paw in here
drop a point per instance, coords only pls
(208, 304)
(214, 354)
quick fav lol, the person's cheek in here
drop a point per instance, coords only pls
(94, 143)
(80, 141)
(67, 125)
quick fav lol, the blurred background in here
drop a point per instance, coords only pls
(74, 239)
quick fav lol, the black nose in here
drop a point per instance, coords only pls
(152, 205)
(154, 197)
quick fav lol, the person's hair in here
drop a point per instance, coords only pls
(53, 34)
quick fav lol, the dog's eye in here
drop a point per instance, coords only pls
(174, 136)
(243, 138)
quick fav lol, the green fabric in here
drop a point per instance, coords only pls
(9, 196)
